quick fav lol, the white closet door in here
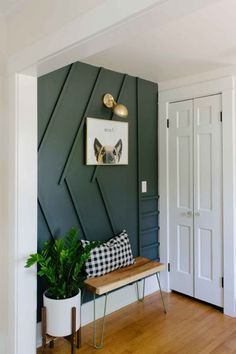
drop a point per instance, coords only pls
(181, 196)
(208, 200)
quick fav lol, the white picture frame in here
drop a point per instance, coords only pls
(106, 142)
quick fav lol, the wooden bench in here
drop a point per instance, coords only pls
(103, 285)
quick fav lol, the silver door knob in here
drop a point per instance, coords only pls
(197, 213)
(189, 213)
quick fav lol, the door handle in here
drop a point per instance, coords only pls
(197, 213)
(188, 213)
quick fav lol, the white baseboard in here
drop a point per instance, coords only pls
(115, 301)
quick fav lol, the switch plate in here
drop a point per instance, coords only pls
(144, 186)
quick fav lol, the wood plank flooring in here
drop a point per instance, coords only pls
(190, 327)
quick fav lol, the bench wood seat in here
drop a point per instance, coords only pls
(142, 268)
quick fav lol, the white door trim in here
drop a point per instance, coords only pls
(225, 86)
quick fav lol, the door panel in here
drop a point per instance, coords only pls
(195, 179)
(204, 245)
(183, 147)
(204, 171)
(208, 199)
(184, 249)
(181, 196)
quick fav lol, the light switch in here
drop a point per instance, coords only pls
(144, 186)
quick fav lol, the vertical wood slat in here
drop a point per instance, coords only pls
(76, 208)
(121, 91)
(141, 198)
(101, 189)
(57, 105)
(157, 153)
(138, 166)
(80, 128)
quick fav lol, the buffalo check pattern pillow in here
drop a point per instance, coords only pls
(113, 254)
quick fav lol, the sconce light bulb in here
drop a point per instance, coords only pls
(117, 108)
(120, 110)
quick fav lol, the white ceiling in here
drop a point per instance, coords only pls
(195, 42)
(201, 41)
(8, 6)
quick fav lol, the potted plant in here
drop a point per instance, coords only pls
(61, 263)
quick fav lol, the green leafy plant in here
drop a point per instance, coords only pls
(61, 263)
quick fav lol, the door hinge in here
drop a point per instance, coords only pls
(222, 282)
(168, 123)
(168, 267)
(221, 116)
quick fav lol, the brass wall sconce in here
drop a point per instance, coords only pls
(117, 108)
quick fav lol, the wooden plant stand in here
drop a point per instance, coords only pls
(74, 338)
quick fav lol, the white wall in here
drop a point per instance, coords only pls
(204, 76)
(41, 18)
(2, 46)
(3, 193)
(3, 218)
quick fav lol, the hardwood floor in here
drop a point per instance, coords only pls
(190, 327)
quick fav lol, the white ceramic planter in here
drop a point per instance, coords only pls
(58, 314)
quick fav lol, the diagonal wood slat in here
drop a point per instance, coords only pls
(76, 208)
(122, 89)
(45, 218)
(80, 128)
(57, 105)
(102, 193)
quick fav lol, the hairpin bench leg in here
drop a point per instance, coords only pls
(100, 345)
(141, 299)
(78, 344)
(159, 283)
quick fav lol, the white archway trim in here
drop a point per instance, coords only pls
(23, 211)
(225, 86)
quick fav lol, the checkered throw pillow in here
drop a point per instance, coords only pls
(113, 254)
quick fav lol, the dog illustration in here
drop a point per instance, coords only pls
(107, 154)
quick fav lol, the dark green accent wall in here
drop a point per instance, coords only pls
(99, 201)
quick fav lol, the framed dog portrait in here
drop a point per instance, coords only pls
(107, 142)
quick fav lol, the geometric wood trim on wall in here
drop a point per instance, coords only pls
(99, 201)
